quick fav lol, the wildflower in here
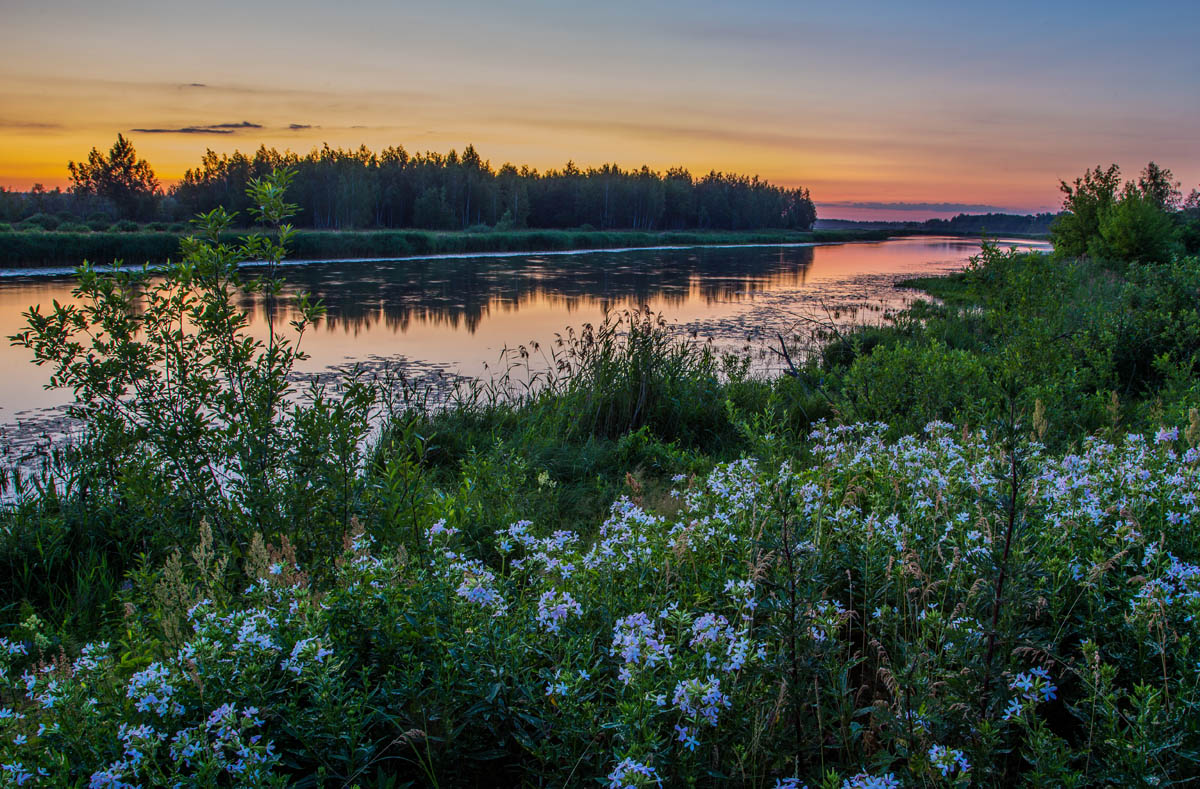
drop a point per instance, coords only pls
(554, 608)
(948, 761)
(700, 699)
(868, 781)
(1033, 686)
(687, 737)
(1013, 710)
(639, 642)
(629, 774)
(479, 586)
(16, 773)
(306, 649)
(152, 691)
(438, 529)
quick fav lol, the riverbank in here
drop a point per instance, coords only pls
(41, 248)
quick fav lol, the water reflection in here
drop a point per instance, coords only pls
(462, 293)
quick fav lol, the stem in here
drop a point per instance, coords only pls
(1010, 528)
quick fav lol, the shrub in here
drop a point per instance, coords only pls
(910, 385)
(181, 426)
(42, 221)
(1135, 229)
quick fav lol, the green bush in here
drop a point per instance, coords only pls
(1135, 229)
(213, 433)
(912, 385)
(42, 221)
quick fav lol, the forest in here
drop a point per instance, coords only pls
(359, 189)
(992, 224)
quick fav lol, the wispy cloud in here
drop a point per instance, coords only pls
(28, 125)
(299, 126)
(208, 128)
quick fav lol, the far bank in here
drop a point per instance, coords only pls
(37, 249)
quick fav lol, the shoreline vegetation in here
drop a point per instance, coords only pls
(35, 248)
(955, 548)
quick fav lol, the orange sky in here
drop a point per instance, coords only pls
(869, 103)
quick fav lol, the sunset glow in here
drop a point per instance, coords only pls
(914, 110)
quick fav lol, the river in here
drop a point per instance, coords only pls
(453, 317)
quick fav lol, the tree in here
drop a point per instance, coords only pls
(1132, 224)
(121, 177)
(1085, 201)
(1135, 228)
(1157, 187)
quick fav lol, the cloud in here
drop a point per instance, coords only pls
(208, 128)
(966, 208)
(298, 126)
(194, 85)
(29, 125)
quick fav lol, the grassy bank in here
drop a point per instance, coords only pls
(34, 248)
(957, 548)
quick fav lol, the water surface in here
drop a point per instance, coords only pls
(458, 314)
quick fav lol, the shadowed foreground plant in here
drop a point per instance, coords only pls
(186, 412)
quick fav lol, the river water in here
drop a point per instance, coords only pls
(455, 316)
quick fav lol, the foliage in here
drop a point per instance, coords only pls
(28, 248)
(916, 384)
(358, 188)
(768, 622)
(120, 176)
(1104, 221)
(189, 416)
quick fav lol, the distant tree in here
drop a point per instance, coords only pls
(121, 177)
(11, 205)
(431, 210)
(338, 188)
(1157, 187)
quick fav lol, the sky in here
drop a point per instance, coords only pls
(885, 111)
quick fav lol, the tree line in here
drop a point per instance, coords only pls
(989, 224)
(342, 189)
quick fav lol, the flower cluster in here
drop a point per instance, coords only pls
(1031, 688)
(700, 700)
(553, 609)
(950, 762)
(639, 642)
(630, 774)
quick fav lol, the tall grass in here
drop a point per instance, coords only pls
(38, 248)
